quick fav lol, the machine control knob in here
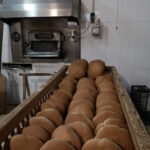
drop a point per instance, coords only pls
(15, 36)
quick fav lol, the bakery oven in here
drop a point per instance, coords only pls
(43, 44)
(43, 30)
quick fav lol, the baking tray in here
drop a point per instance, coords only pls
(15, 121)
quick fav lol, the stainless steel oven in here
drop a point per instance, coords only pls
(43, 30)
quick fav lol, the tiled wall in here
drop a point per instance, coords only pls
(127, 48)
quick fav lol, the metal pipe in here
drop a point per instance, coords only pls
(93, 5)
(1, 39)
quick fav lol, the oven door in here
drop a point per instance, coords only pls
(44, 44)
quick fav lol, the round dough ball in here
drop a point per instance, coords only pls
(105, 77)
(100, 79)
(77, 71)
(79, 117)
(52, 115)
(67, 92)
(117, 122)
(85, 91)
(72, 79)
(83, 130)
(83, 110)
(89, 90)
(43, 122)
(67, 85)
(67, 133)
(108, 76)
(56, 144)
(36, 131)
(99, 118)
(110, 108)
(85, 102)
(59, 103)
(82, 62)
(85, 82)
(109, 103)
(58, 94)
(100, 144)
(105, 96)
(96, 68)
(48, 104)
(23, 142)
(84, 95)
(107, 84)
(119, 135)
(112, 121)
(107, 89)
(111, 92)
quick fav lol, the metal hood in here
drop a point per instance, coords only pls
(39, 8)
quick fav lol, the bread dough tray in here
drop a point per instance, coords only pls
(15, 121)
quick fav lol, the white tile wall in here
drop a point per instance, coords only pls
(142, 57)
(127, 48)
(128, 10)
(143, 33)
(144, 6)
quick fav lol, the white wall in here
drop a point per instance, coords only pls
(127, 48)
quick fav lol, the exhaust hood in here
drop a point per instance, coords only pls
(39, 8)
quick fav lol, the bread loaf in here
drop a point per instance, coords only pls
(83, 130)
(67, 133)
(100, 144)
(78, 69)
(85, 82)
(105, 77)
(96, 68)
(23, 142)
(85, 95)
(105, 115)
(59, 103)
(43, 122)
(119, 135)
(48, 104)
(36, 131)
(83, 109)
(79, 117)
(104, 96)
(58, 94)
(110, 108)
(52, 115)
(109, 103)
(57, 144)
(111, 121)
(85, 102)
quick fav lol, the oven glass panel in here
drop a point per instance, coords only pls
(44, 46)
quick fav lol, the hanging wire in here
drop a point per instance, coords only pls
(89, 24)
(87, 28)
(117, 25)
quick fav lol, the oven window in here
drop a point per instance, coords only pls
(44, 46)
